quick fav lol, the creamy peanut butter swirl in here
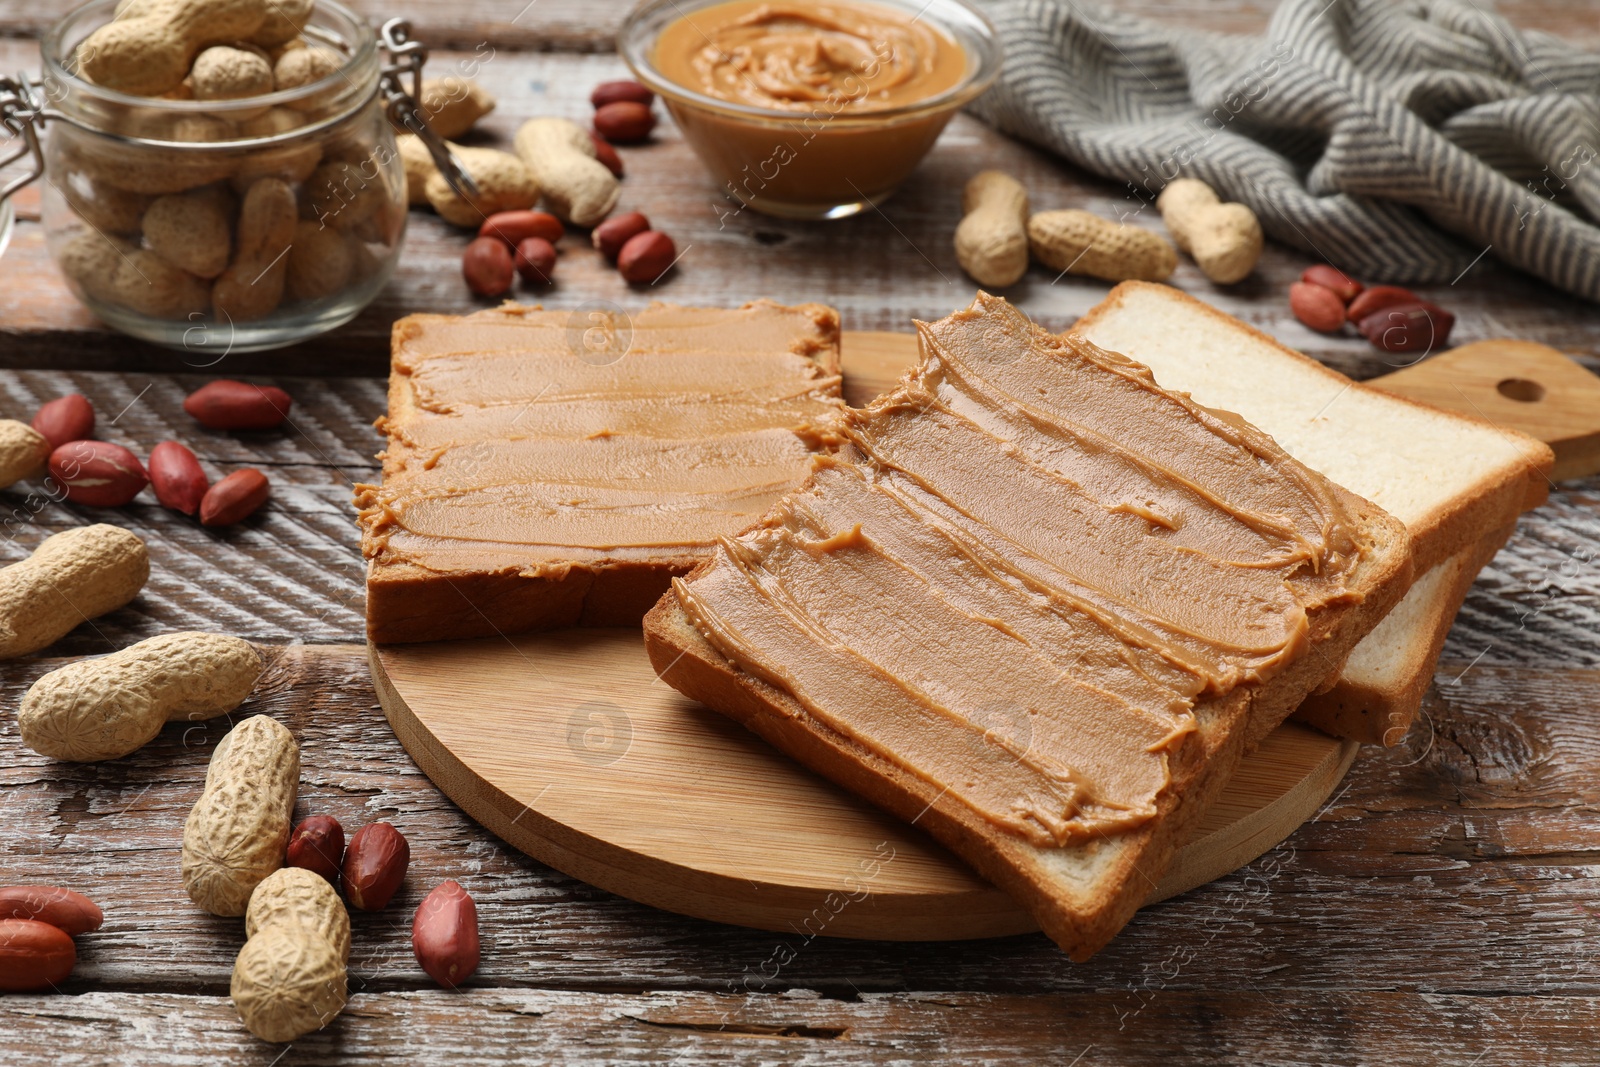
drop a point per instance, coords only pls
(1028, 568)
(521, 441)
(797, 57)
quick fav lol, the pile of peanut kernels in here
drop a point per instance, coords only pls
(575, 173)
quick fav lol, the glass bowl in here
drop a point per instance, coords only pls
(828, 161)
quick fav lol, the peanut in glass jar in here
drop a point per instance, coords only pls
(224, 225)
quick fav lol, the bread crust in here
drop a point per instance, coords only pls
(1383, 715)
(407, 604)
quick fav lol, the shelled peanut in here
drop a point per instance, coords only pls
(510, 243)
(317, 844)
(444, 934)
(34, 955)
(290, 978)
(201, 236)
(489, 267)
(98, 473)
(444, 927)
(374, 866)
(37, 926)
(577, 173)
(64, 419)
(180, 483)
(612, 235)
(234, 498)
(229, 405)
(1391, 318)
(606, 154)
(103, 474)
(622, 111)
(72, 912)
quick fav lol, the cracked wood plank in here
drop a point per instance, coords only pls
(889, 1029)
(591, 25)
(880, 269)
(1467, 861)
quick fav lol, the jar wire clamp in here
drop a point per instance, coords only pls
(406, 57)
(21, 113)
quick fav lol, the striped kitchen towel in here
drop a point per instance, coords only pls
(1400, 140)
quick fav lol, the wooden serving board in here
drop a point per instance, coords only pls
(567, 746)
(1526, 386)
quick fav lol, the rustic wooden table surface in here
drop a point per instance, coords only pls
(1444, 907)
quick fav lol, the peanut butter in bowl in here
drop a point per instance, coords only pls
(792, 57)
(811, 110)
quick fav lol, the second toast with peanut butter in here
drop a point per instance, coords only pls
(1033, 606)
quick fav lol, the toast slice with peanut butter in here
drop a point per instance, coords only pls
(1457, 482)
(1034, 605)
(557, 468)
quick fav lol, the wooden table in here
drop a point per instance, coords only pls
(1445, 906)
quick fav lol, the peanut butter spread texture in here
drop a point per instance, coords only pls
(528, 443)
(1024, 569)
(791, 57)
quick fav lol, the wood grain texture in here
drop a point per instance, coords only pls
(881, 269)
(591, 25)
(887, 1029)
(1520, 384)
(1441, 909)
(1465, 861)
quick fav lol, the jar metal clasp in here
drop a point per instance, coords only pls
(406, 57)
(21, 112)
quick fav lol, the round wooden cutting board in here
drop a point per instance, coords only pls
(566, 745)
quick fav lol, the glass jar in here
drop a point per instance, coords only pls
(233, 225)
